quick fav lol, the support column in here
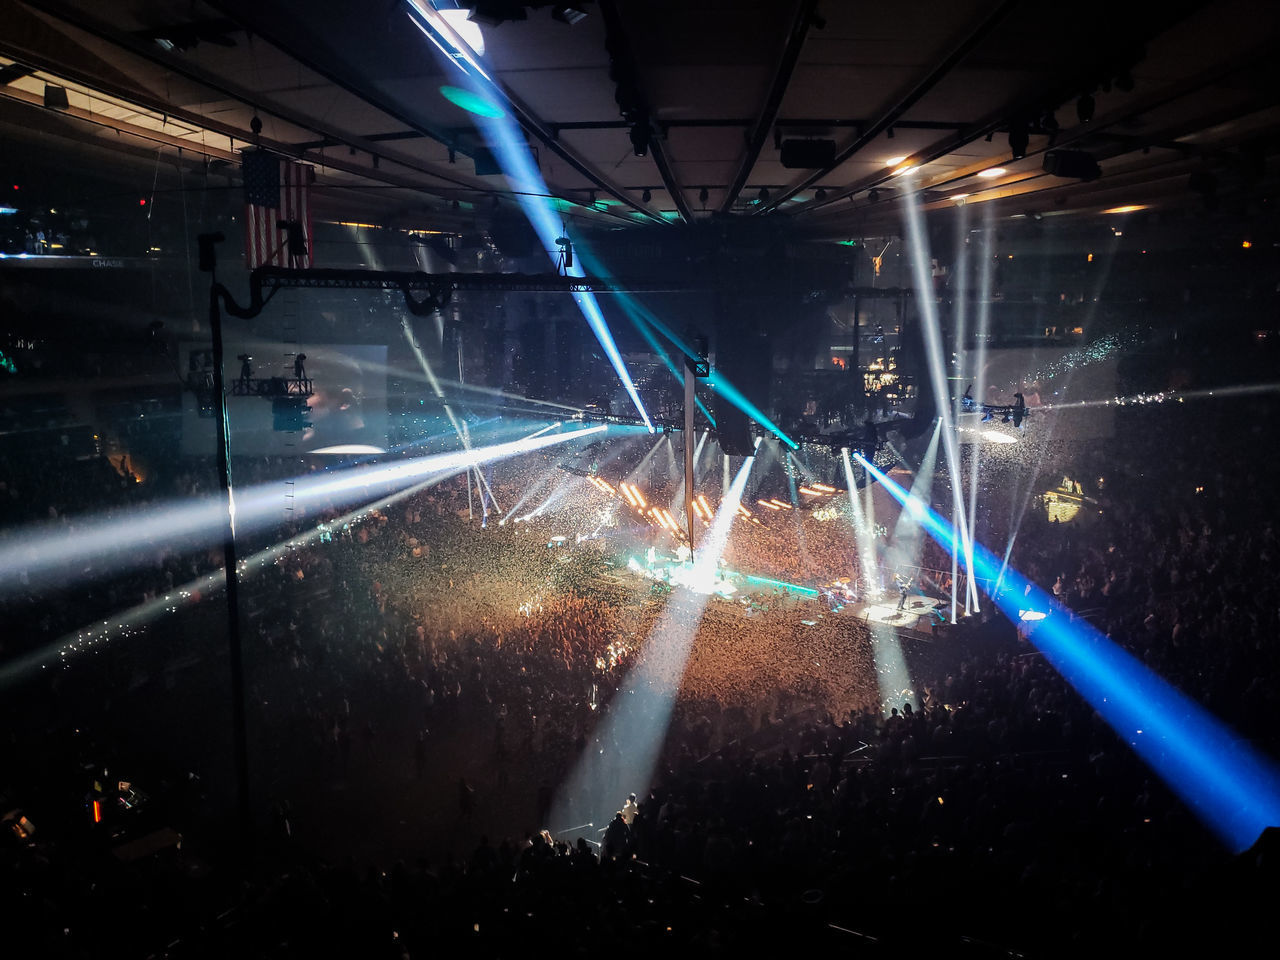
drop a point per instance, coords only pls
(689, 406)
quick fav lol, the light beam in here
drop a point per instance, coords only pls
(1231, 787)
(622, 757)
(130, 539)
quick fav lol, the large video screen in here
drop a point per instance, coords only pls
(348, 405)
(1065, 388)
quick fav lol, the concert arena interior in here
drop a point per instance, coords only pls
(638, 477)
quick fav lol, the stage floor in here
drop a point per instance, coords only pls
(917, 614)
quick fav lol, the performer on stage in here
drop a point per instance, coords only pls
(903, 585)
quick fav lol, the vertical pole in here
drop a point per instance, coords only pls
(855, 362)
(240, 737)
(955, 573)
(688, 452)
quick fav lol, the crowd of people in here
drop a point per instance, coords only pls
(418, 689)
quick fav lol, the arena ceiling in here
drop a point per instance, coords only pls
(1185, 100)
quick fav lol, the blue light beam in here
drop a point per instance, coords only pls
(525, 180)
(1231, 787)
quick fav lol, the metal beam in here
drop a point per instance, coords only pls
(903, 104)
(1261, 55)
(669, 181)
(769, 110)
(157, 105)
(534, 125)
(617, 40)
(436, 283)
(717, 122)
(330, 136)
(529, 121)
(183, 67)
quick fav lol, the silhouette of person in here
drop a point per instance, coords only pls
(300, 366)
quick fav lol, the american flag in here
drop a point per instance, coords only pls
(275, 192)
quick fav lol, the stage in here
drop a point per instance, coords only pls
(755, 595)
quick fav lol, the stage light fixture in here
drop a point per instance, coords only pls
(820, 195)
(1085, 107)
(639, 134)
(55, 98)
(1071, 164)
(568, 13)
(647, 195)
(566, 251)
(764, 194)
(1019, 140)
(703, 196)
(992, 172)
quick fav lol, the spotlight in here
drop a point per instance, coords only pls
(991, 173)
(1073, 164)
(568, 13)
(1085, 107)
(566, 251)
(1018, 140)
(874, 196)
(55, 98)
(639, 134)
(647, 195)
